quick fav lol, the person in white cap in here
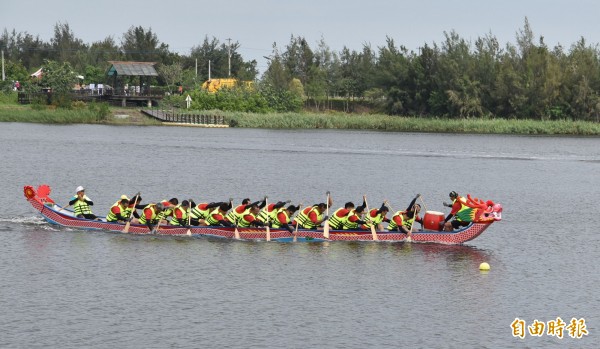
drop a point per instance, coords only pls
(118, 211)
(81, 204)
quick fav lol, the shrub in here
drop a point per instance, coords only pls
(61, 100)
(100, 110)
(8, 97)
(78, 105)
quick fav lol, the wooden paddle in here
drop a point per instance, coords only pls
(155, 230)
(326, 225)
(267, 222)
(423, 201)
(297, 223)
(126, 229)
(62, 208)
(373, 232)
(189, 231)
(391, 210)
(236, 233)
(409, 237)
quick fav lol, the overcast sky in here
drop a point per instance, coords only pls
(257, 24)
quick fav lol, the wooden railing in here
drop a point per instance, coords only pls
(87, 94)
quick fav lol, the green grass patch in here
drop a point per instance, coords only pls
(410, 124)
(49, 116)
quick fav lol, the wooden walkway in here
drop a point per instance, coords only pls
(171, 117)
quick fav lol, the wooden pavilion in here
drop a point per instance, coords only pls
(135, 89)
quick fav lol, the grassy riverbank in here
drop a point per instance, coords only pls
(10, 111)
(412, 124)
(89, 114)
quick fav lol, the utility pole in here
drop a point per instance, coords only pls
(196, 68)
(3, 75)
(209, 70)
(229, 51)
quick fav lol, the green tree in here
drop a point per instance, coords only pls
(172, 74)
(209, 51)
(139, 44)
(93, 74)
(16, 71)
(58, 76)
(218, 55)
(326, 74)
(298, 59)
(579, 90)
(393, 77)
(457, 80)
(100, 52)
(276, 77)
(25, 48)
(424, 70)
(486, 68)
(66, 47)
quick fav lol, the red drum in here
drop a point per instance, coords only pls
(432, 219)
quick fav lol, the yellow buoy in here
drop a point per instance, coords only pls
(484, 266)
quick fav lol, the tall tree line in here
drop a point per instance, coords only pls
(455, 78)
(25, 53)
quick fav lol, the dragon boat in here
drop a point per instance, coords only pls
(483, 214)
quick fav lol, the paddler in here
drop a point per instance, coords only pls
(150, 215)
(269, 213)
(119, 210)
(168, 208)
(200, 212)
(337, 219)
(377, 216)
(81, 204)
(180, 214)
(459, 204)
(402, 221)
(283, 218)
(134, 204)
(217, 217)
(354, 219)
(248, 218)
(312, 216)
(235, 215)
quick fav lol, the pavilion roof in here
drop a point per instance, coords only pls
(132, 68)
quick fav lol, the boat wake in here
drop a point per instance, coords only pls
(36, 220)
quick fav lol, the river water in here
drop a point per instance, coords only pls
(64, 288)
